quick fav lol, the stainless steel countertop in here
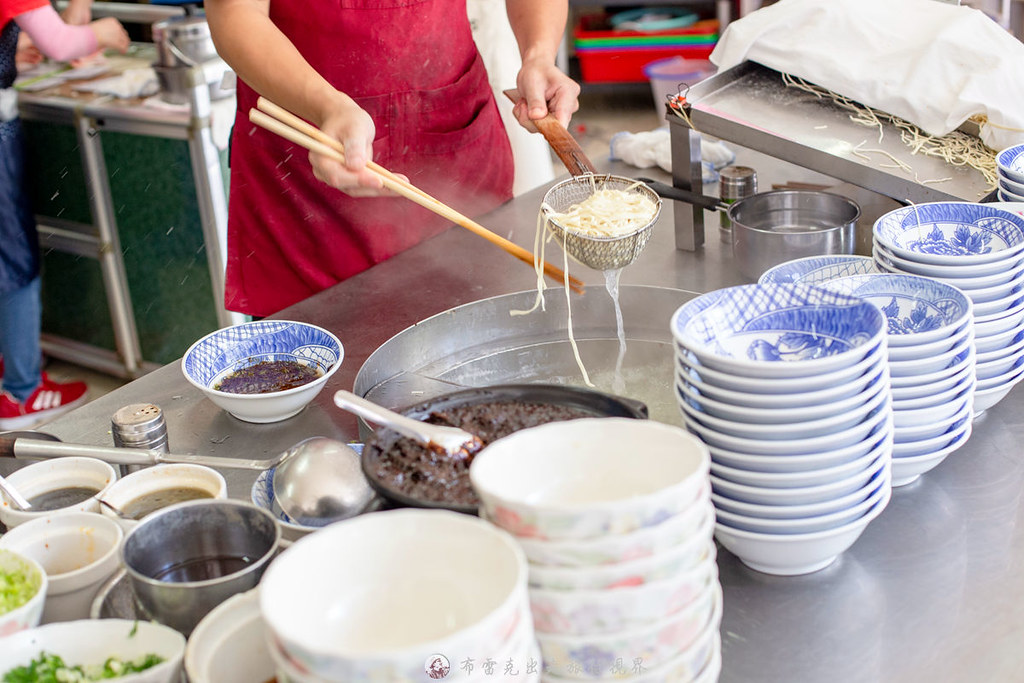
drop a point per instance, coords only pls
(931, 592)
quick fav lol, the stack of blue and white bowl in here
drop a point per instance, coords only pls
(979, 249)
(1010, 174)
(789, 387)
(931, 365)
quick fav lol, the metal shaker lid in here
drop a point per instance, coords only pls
(138, 422)
(736, 182)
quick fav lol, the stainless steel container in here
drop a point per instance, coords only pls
(186, 56)
(734, 183)
(773, 227)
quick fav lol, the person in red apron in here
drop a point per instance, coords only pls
(398, 82)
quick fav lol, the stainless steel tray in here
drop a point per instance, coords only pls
(481, 344)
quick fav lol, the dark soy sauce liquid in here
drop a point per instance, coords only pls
(62, 498)
(202, 569)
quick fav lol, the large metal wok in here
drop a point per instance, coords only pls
(481, 344)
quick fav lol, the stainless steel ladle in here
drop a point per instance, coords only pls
(320, 481)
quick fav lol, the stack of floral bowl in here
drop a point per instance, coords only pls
(615, 520)
(1010, 174)
(789, 387)
(400, 596)
(979, 249)
(931, 365)
(812, 270)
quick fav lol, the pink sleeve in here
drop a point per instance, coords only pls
(55, 39)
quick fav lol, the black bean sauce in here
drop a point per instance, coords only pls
(267, 376)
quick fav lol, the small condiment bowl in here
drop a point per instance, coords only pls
(150, 489)
(56, 474)
(221, 353)
(589, 478)
(91, 642)
(186, 559)
(78, 550)
(26, 608)
(229, 644)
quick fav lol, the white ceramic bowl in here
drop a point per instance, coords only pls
(343, 602)
(1011, 186)
(90, 642)
(997, 342)
(27, 614)
(1010, 346)
(909, 449)
(792, 554)
(229, 644)
(999, 305)
(78, 550)
(54, 474)
(810, 524)
(980, 319)
(962, 275)
(778, 331)
(921, 417)
(951, 233)
(652, 540)
(758, 446)
(151, 483)
(906, 470)
(586, 612)
(208, 361)
(944, 381)
(1003, 291)
(793, 498)
(926, 365)
(655, 643)
(983, 400)
(262, 495)
(794, 478)
(589, 477)
(990, 328)
(998, 380)
(837, 393)
(796, 429)
(930, 429)
(685, 361)
(940, 396)
(998, 367)
(635, 572)
(939, 346)
(779, 414)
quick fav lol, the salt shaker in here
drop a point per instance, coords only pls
(139, 425)
(735, 182)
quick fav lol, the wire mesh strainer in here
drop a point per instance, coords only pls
(599, 253)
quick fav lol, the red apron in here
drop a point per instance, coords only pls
(413, 66)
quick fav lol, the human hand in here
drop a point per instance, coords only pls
(352, 126)
(110, 34)
(77, 12)
(544, 89)
(26, 54)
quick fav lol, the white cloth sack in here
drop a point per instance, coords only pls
(654, 148)
(927, 62)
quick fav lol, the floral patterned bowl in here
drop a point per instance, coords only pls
(654, 644)
(371, 598)
(589, 478)
(681, 558)
(585, 612)
(951, 233)
(778, 331)
(966, 276)
(1010, 163)
(818, 269)
(918, 310)
(27, 614)
(652, 540)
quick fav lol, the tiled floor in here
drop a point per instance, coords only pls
(601, 116)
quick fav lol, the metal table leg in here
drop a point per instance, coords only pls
(687, 175)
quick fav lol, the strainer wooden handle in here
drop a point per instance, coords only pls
(561, 141)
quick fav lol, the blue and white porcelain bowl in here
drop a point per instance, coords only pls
(785, 387)
(208, 361)
(930, 430)
(1010, 163)
(1011, 188)
(965, 277)
(918, 310)
(817, 269)
(778, 331)
(925, 366)
(907, 469)
(909, 449)
(938, 385)
(796, 478)
(951, 232)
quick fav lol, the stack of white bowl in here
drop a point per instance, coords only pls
(978, 248)
(1010, 174)
(614, 517)
(931, 365)
(789, 387)
(401, 596)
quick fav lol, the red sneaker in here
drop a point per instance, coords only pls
(49, 400)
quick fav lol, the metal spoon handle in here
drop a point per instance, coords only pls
(31, 448)
(451, 439)
(13, 494)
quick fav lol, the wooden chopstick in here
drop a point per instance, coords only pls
(308, 136)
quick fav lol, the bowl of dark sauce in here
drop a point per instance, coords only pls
(57, 485)
(410, 474)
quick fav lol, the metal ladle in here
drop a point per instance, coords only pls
(320, 481)
(19, 501)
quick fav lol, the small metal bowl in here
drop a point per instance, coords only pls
(773, 227)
